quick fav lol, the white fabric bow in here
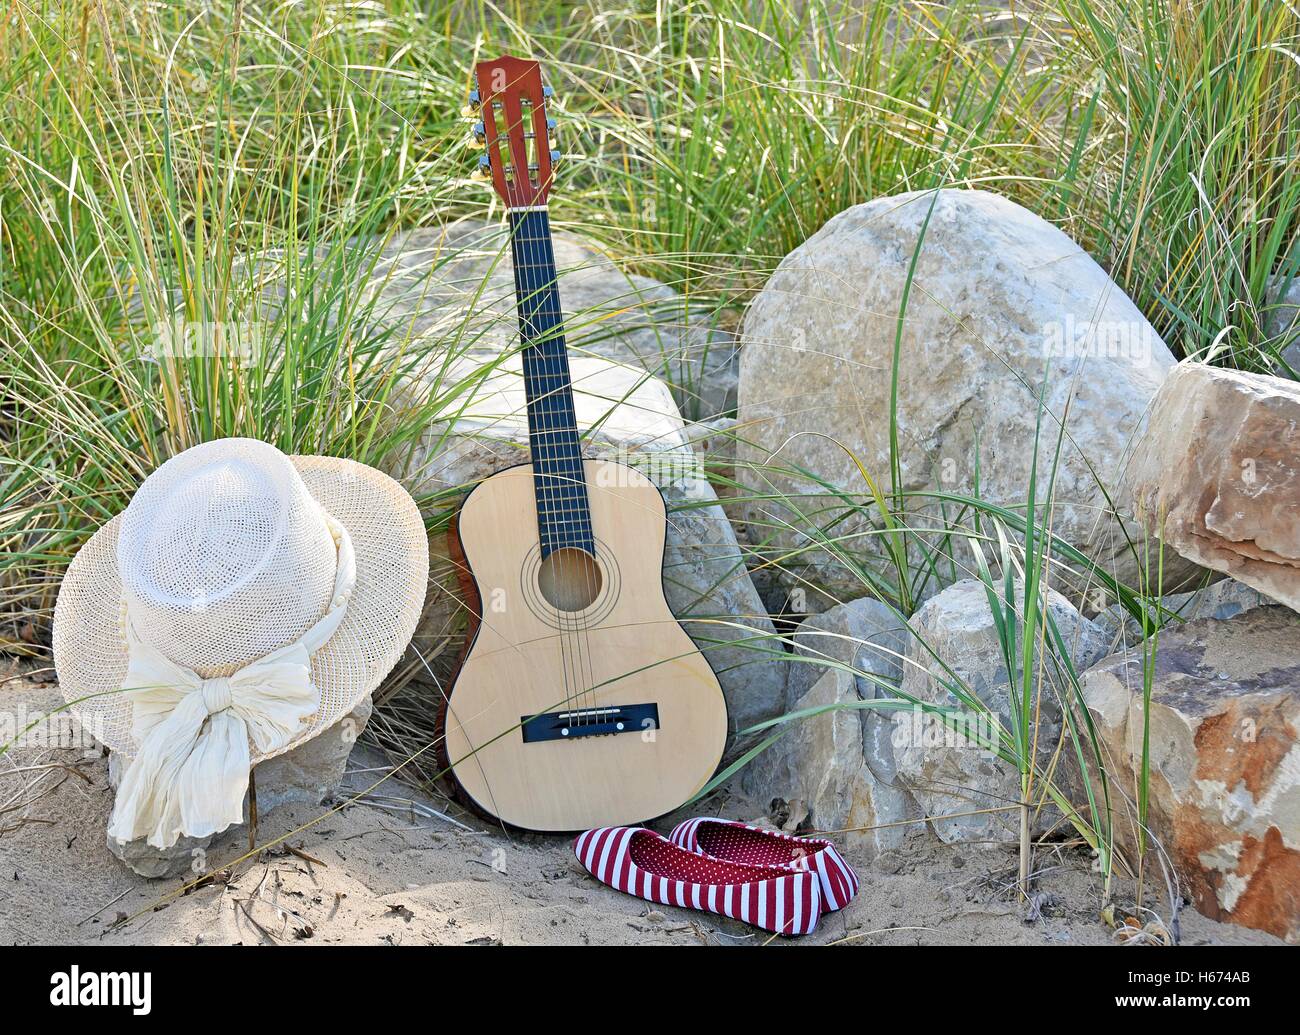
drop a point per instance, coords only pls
(191, 772)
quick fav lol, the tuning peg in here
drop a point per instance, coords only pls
(483, 171)
(478, 136)
(473, 96)
(550, 124)
(555, 157)
(547, 92)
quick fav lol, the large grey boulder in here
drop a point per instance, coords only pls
(454, 284)
(632, 418)
(1000, 301)
(457, 281)
(953, 772)
(1224, 757)
(1216, 474)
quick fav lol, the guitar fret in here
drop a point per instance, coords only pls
(559, 485)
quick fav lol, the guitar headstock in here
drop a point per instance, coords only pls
(513, 127)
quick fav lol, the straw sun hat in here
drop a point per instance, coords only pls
(243, 602)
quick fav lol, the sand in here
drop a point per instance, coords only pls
(352, 873)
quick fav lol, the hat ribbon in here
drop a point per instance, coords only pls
(191, 772)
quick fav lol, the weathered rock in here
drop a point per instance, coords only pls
(870, 638)
(1216, 474)
(999, 300)
(865, 634)
(1224, 756)
(705, 578)
(458, 280)
(957, 771)
(308, 774)
(632, 419)
(816, 776)
(1219, 600)
(455, 282)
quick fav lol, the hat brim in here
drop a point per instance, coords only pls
(392, 558)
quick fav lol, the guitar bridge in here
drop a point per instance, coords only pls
(590, 722)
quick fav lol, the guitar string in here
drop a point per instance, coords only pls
(528, 328)
(559, 532)
(554, 423)
(575, 529)
(579, 467)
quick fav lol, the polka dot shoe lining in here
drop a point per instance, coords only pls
(725, 841)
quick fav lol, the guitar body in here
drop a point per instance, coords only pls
(568, 651)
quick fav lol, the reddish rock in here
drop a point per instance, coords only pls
(1216, 474)
(1225, 761)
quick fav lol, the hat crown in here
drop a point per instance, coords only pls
(224, 556)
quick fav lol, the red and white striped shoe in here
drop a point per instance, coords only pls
(642, 863)
(725, 841)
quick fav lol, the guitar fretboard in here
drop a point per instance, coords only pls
(563, 514)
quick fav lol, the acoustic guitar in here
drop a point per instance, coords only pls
(580, 701)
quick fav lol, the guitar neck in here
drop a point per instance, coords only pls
(560, 487)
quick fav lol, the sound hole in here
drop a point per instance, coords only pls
(569, 579)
